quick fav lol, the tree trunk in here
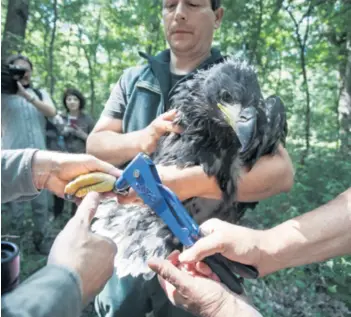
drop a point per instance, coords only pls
(51, 50)
(46, 50)
(344, 106)
(257, 35)
(308, 105)
(154, 32)
(91, 80)
(97, 36)
(302, 40)
(90, 52)
(15, 27)
(89, 56)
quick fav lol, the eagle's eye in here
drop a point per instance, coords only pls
(226, 97)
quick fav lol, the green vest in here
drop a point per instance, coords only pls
(148, 89)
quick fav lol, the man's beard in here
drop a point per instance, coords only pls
(26, 86)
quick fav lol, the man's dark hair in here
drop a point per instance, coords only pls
(13, 58)
(215, 4)
(73, 92)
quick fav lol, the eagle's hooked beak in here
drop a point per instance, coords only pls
(226, 114)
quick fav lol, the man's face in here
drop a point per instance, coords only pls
(26, 78)
(189, 24)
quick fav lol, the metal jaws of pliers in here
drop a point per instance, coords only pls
(142, 176)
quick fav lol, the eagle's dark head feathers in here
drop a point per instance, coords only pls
(232, 84)
(209, 138)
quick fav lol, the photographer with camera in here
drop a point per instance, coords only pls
(23, 122)
(80, 262)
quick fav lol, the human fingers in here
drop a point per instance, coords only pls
(168, 288)
(102, 166)
(209, 245)
(169, 273)
(162, 126)
(164, 123)
(169, 115)
(87, 209)
(212, 225)
(205, 270)
(20, 86)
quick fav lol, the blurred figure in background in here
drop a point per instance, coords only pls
(23, 126)
(72, 130)
(77, 124)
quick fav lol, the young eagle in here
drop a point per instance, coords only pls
(225, 124)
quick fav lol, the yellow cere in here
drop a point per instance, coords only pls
(226, 113)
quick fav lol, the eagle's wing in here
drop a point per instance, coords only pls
(277, 128)
(260, 130)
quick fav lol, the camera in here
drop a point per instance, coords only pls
(10, 266)
(9, 76)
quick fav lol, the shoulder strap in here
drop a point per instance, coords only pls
(38, 93)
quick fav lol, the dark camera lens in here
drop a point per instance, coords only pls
(9, 76)
(17, 72)
(10, 266)
(5, 255)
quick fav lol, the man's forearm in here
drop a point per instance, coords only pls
(313, 237)
(271, 175)
(189, 182)
(44, 293)
(115, 148)
(16, 175)
(236, 306)
(46, 109)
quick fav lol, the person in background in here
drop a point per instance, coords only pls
(55, 141)
(73, 128)
(77, 124)
(23, 123)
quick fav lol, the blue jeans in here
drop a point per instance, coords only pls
(39, 209)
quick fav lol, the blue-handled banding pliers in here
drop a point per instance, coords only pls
(142, 176)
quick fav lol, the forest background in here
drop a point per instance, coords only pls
(302, 51)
